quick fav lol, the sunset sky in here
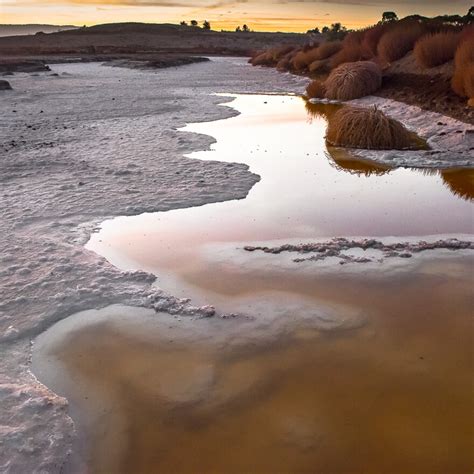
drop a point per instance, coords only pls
(267, 15)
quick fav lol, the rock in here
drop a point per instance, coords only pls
(23, 66)
(4, 85)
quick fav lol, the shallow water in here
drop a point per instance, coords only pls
(307, 191)
(332, 369)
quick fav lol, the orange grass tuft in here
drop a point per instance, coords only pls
(315, 90)
(367, 128)
(399, 40)
(321, 66)
(353, 80)
(303, 59)
(350, 52)
(463, 77)
(372, 37)
(437, 48)
(328, 49)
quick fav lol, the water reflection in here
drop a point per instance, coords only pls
(320, 110)
(460, 182)
(354, 165)
(306, 191)
(381, 396)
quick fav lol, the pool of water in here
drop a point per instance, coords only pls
(332, 369)
(307, 191)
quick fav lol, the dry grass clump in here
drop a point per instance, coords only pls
(271, 56)
(328, 49)
(399, 40)
(370, 129)
(372, 36)
(350, 52)
(353, 80)
(280, 51)
(316, 90)
(261, 59)
(320, 66)
(462, 82)
(437, 48)
(304, 58)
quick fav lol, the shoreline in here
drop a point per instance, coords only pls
(451, 141)
(46, 279)
(64, 235)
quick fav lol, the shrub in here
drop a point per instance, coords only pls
(271, 56)
(328, 48)
(462, 79)
(353, 80)
(435, 49)
(367, 128)
(280, 51)
(372, 37)
(399, 40)
(469, 81)
(261, 59)
(283, 64)
(315, 89)
(303, 59)
(321, 66)
(350, 52)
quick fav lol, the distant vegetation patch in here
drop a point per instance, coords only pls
(436, 48)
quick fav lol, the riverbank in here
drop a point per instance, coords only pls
(116, 154)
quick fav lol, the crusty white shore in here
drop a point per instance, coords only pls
(88, 144)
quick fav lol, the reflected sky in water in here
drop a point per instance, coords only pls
(307, 190)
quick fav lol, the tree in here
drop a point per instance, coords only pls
(194, 23)
(334, 32)
(387, 17)
(206, 25)
(245, 28)
(314, 30)
(238, 30)
(470, 13)
(183, 23)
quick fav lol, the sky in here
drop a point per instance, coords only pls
(259, 15)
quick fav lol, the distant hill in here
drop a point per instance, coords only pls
(139, 38)
(19, 30)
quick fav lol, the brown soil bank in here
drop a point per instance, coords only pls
(131, 38)
(428, 92)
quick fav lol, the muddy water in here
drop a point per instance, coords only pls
(329, 370)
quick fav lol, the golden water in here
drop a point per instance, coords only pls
(391, 393)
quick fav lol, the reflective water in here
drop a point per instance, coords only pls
(388, 392)
(306, 191)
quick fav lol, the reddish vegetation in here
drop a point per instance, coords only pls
(349, 53)
(303, 59)
(315, 89)
(463, 78)
(399, 40)
(328, 49)
(435, 49)
(321, 66)
(372, 36)
(435, 44)
(369, 129)
(353, 80)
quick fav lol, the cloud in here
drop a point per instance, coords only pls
(375, 3)
(136, 3)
